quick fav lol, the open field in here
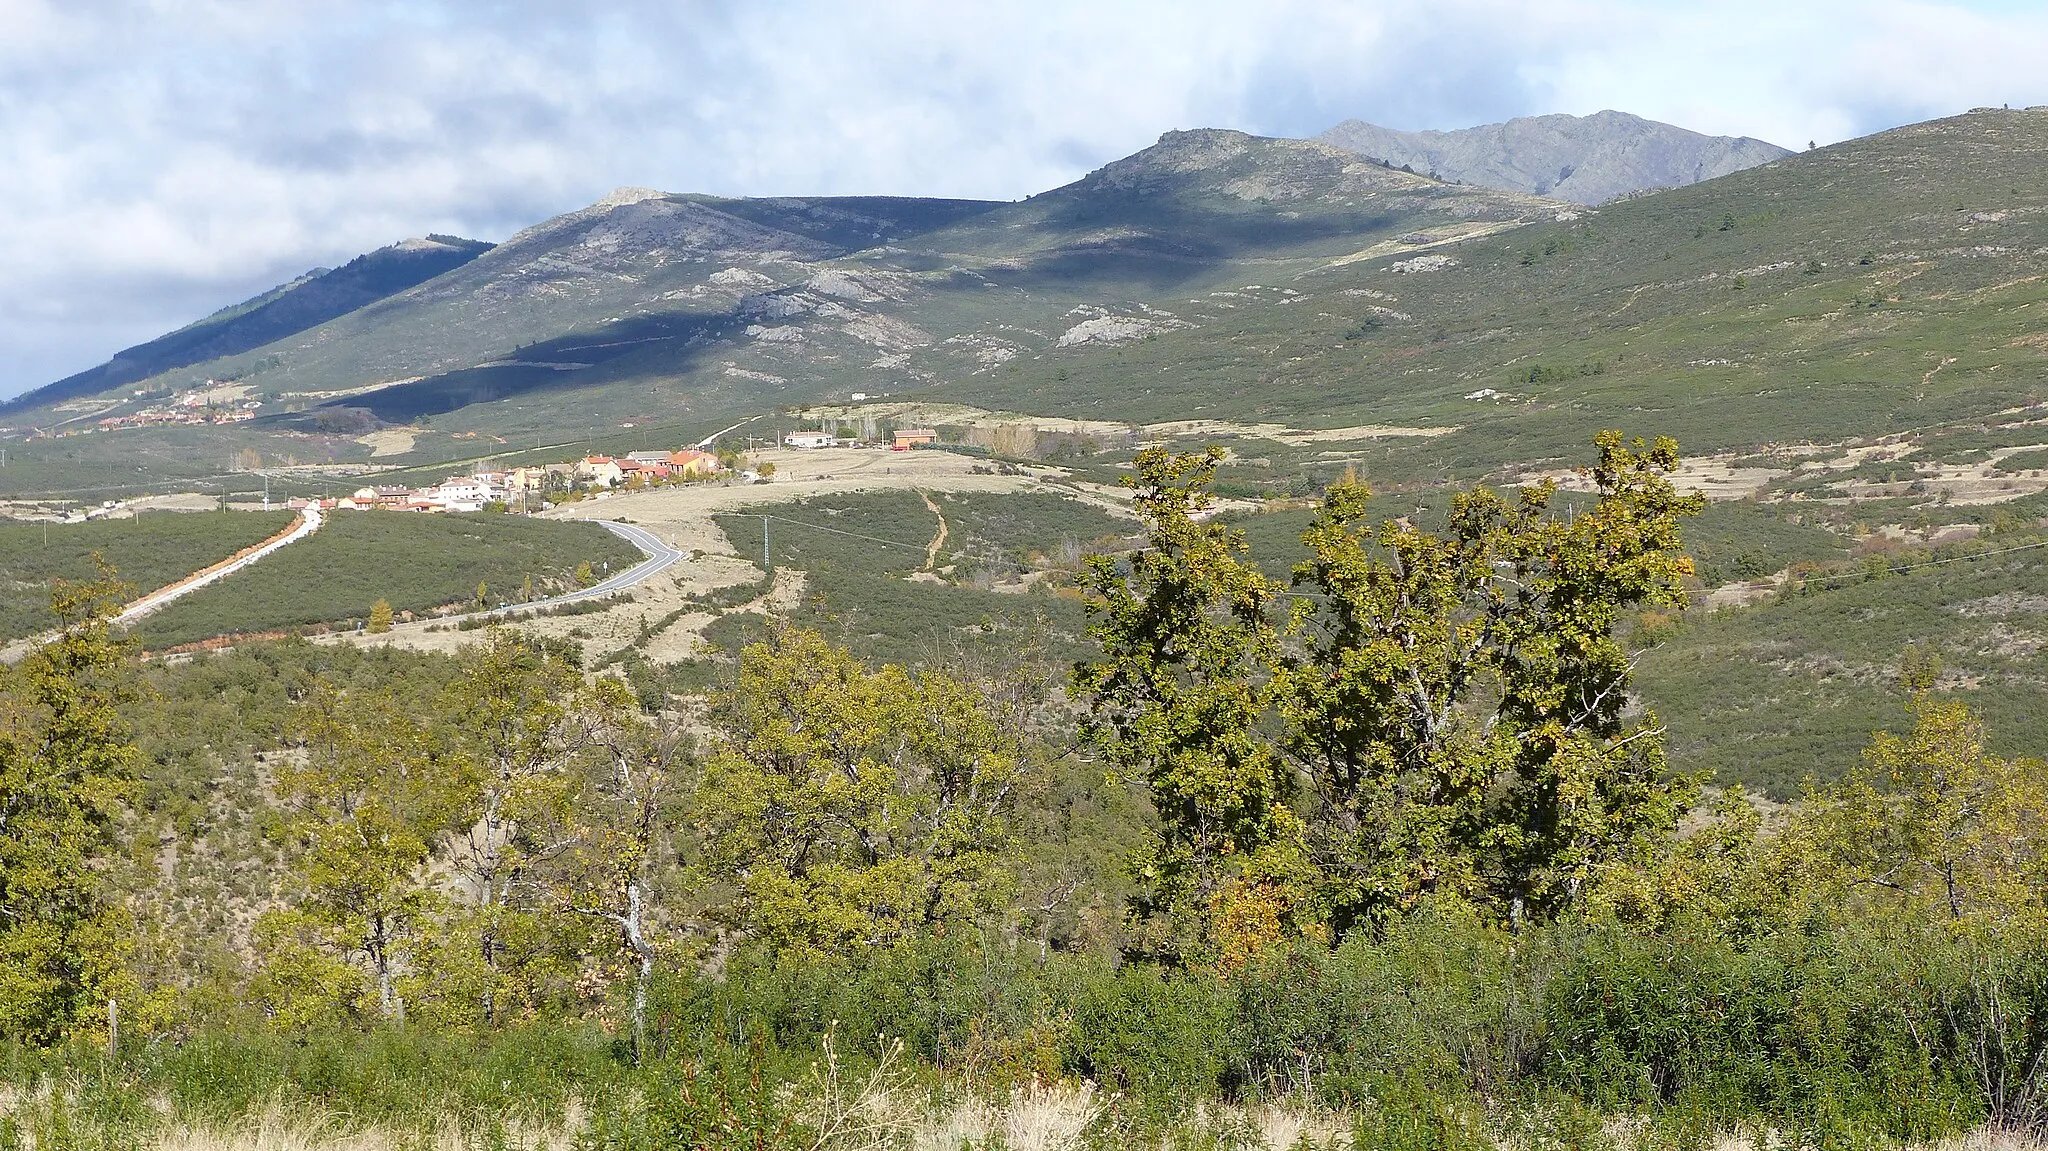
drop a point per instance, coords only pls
(926, 578)
(668, 616)
(683, 513)
(147, 552)
(416, 562)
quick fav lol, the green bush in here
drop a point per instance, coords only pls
(1137, 1029)
(1813, 1029)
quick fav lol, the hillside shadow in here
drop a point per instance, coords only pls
(282, 312)
(1154, 249)
(562, 363)
(1165, 246)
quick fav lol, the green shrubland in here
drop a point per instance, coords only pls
(1380, 852)
(148, 551)
(856, 552)
(413, 563)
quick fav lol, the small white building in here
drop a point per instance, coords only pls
(810, 440)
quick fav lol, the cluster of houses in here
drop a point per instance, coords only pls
(641, 468)
(189, 408)
(545, 482)
(902, 440)
(475, 492)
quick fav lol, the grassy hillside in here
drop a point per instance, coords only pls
(417, 562)
(1884, 285)
(146, 553)
(1771, 694)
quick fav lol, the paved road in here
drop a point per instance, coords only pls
(660, 557)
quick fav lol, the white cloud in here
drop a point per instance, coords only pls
(164, 157)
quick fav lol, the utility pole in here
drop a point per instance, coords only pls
(766, 565)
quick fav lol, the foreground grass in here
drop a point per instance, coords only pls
(832, 1111)
(416, 562)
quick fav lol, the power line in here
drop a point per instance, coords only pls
(1904, 568)
(836, 531)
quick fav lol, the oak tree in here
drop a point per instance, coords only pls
(848, 808)
(1427, 711)
(67, 768)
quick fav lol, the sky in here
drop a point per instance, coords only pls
(160, 159)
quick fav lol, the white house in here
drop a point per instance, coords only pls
(461, 495)
(810, 440)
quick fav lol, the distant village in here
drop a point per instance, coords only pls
(543, 485)
(189, 408)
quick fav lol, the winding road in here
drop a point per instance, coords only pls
(660, 557)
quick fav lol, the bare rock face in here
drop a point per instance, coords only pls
(1582, 159)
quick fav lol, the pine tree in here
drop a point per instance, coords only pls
(380, 617)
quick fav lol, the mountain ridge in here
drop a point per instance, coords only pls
(304, 302)
(800, 295)
(1582, 159)
(1214, 276)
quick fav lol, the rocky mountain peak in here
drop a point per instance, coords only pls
(622, 196)
(1583, 159)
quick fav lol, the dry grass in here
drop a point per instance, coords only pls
(1627, 1135)
(1055, 1118)
(880, 1112)
(1051, 1118)
(280, 1130)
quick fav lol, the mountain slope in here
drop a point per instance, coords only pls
(648, 304)
(308, 301)
(1587, 160)
(909, 293)
(1892, 284)
(1885, 286)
